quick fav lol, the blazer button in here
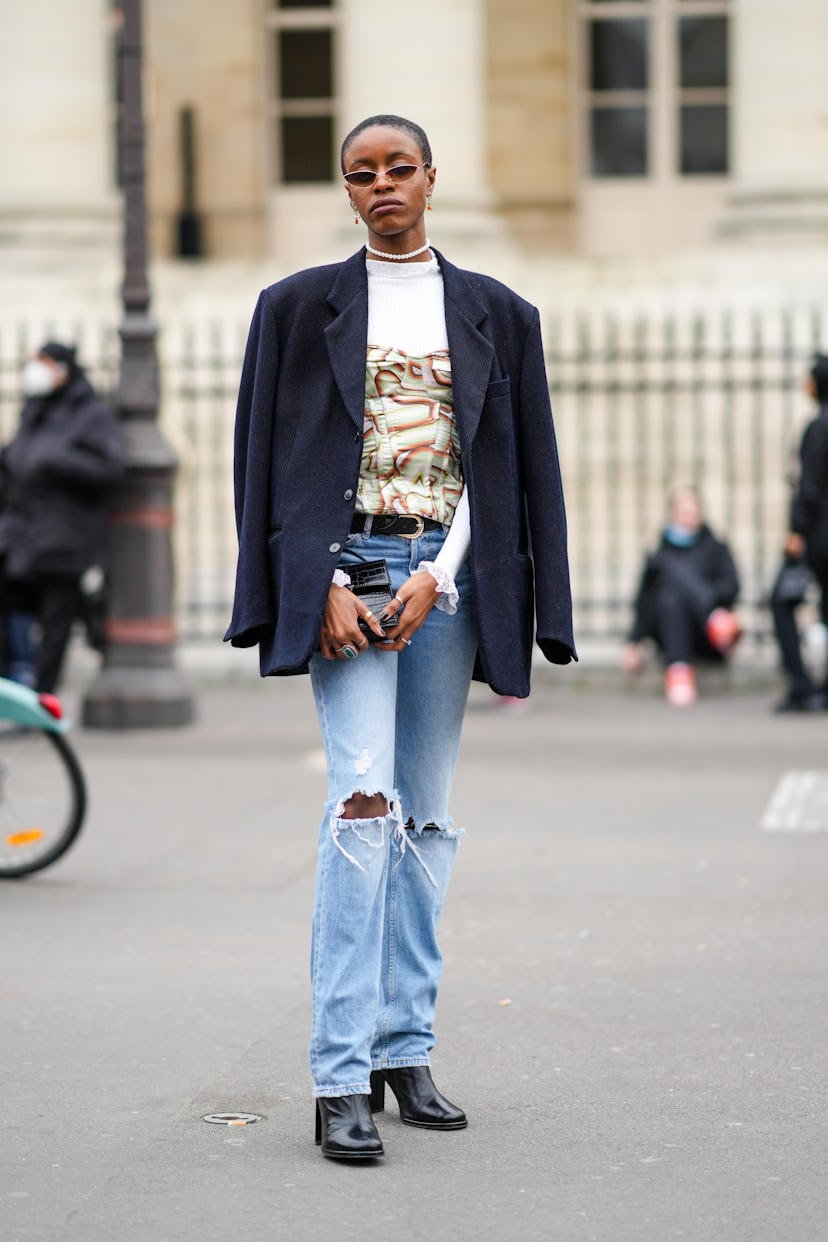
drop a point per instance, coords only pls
(335, 547)
(357, 437)
(348, 494)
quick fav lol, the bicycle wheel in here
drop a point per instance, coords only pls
(42, 799)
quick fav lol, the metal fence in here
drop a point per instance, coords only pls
(643, 403)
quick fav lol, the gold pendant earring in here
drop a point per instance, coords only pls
(428, 202)
(354, 210)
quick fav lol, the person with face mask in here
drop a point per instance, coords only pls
(684, 600)
(56, 475)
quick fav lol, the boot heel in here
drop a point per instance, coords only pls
(421, 1104)
(318, 1134)
(377, 1091)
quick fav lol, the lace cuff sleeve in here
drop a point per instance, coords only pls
(448, 597)
(451, 556)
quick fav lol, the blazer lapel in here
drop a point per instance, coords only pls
(347, 335)
(471, 353)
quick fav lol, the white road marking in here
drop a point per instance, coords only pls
(799, 803)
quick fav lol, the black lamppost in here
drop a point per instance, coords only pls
(139, 684)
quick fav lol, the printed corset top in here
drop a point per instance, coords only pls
(411, 452)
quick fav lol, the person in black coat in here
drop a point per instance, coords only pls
(684, 600)
(56, 476)
(805, 547)
(393, 408)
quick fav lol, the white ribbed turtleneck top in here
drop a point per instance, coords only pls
(406, 310)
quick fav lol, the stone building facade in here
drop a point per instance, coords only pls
(563, 129)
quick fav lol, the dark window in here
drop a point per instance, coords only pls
(307, 148)
(305, 64)
(702, 52)
(619, 142)
(618, 55)
(626, 78)
(703, 139)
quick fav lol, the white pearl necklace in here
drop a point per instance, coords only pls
(412, 254)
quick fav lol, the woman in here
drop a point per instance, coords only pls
(393, 408)
(687, 589)
(57, 476)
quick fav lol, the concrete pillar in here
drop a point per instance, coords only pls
(427, 62)
(57, 139)
(531, 104)
(209, 59)
(780, 120)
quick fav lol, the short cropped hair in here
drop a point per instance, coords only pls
(411, 128)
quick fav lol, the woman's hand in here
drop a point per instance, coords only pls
(414, 601)
(340, 627)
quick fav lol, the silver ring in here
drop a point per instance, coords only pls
(401, 602)
(407, 641)
(348, 651)
(364, 641)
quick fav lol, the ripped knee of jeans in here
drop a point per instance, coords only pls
(364, 806)
(430, 828)
(433, 843)
(363, 803)
(366, 820)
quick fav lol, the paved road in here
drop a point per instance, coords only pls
(658, 1072)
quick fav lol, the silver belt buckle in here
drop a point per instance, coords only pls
(420, 527)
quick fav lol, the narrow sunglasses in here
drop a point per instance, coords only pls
(363, 177)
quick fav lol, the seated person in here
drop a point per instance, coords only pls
(687, 589)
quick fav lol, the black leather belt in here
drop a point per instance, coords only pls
(393, 524)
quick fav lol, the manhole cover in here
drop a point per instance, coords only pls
(232, 1119)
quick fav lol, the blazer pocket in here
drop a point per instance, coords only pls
(498, 388)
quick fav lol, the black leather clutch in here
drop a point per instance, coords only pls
(371, 582)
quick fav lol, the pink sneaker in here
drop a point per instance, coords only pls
(680, 685)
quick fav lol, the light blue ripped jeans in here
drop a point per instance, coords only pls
(391, 725)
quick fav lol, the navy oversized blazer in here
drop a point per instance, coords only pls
(298, 445)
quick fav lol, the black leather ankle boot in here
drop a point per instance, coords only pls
(345, 1128)
(421, 1104)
